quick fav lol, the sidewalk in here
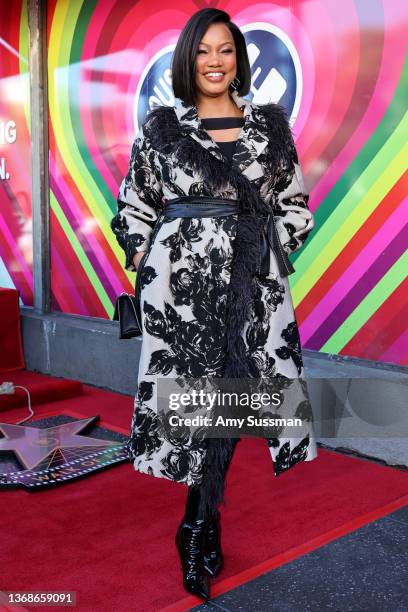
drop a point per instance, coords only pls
(365, 570)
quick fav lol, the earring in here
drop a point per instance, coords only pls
(235, 83)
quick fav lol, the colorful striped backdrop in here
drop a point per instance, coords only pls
(350, 287)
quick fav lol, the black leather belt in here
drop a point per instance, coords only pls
(200, 206)
(207, 206)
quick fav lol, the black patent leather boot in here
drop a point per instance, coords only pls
(212, 552)
(189, 542)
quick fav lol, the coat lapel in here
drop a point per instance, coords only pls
(251, 141)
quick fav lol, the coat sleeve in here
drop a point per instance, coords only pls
(293, 218)
(139, 201)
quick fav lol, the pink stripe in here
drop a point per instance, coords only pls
(335, 86)
(18, 161)
(354, 272)
(398, 351)
(299, 25)
(85, 221)
(388, 78)
(66, 285)
(19, 153)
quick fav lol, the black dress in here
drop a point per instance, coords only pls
(222, 123)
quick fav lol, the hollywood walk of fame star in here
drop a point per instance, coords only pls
(33, 444)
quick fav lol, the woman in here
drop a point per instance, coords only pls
(194, 219)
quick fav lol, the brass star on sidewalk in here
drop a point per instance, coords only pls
(32, 444)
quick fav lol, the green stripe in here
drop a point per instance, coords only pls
(82, 258)
(368, 306)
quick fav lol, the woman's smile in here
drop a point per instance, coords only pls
(214, 77)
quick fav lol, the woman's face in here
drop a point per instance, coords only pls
(216, 54)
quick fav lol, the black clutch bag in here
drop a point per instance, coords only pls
(127, 312)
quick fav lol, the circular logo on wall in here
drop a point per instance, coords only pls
(275, 69)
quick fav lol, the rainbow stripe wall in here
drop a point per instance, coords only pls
(347, 88)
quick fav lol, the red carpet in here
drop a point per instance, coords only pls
(110, 537)
(42, 389)
(11, 355)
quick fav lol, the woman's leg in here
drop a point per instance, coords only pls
(198, 535)
(204, 499)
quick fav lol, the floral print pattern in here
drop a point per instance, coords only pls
(184, 284)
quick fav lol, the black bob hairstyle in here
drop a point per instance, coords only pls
(183, 66)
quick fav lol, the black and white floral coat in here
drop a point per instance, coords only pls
(206, 310)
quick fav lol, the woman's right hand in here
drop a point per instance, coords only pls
(136, 259)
